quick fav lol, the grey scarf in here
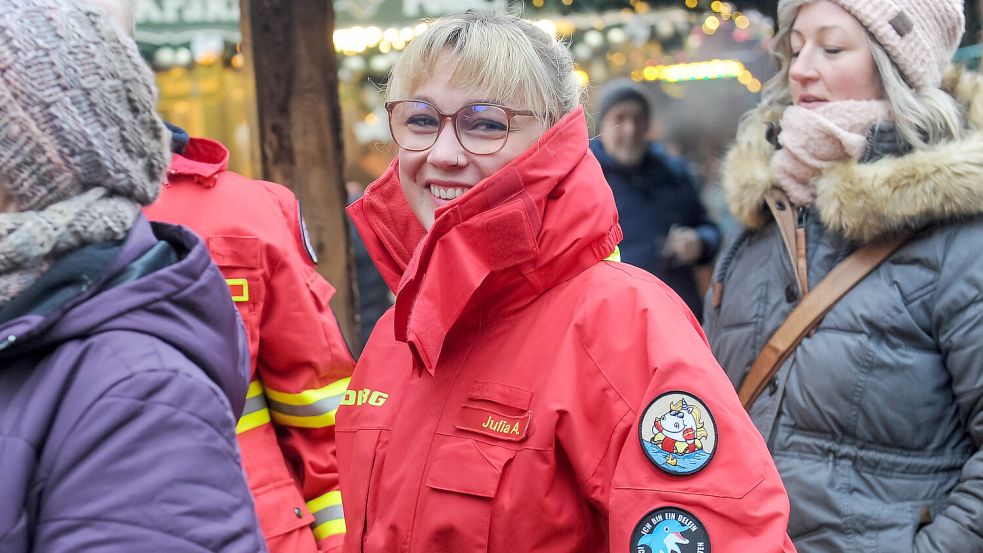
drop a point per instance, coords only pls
(30, 241)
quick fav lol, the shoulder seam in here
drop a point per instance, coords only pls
(629, 414)
(600, 370)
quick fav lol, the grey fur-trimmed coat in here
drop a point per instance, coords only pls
(876, 421)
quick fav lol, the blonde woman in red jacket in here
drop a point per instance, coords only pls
(528, 392)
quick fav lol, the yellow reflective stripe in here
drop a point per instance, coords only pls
(307, 397)
(319, 421)
(329, 518)
(255, 412)
(255, 388)
(327, 500)
(252, 420)
(615, 255)
(244, 296)
(310, 408)
(330, 528)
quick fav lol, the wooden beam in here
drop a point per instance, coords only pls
(979, 21)
(289, 53)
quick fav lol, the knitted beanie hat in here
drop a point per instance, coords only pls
(81, 145)
(921, 36)
(77, 107)
(618, 91)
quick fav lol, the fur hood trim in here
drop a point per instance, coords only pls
(864, 202)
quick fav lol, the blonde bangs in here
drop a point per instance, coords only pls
(505, 58)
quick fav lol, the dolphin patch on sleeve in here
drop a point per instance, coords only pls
(670, 530)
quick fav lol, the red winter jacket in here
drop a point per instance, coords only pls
(300, 363)
(507, 402)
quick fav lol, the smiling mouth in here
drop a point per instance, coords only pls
(811, 100)
(447, 192)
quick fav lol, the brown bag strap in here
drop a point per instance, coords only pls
(810, 310)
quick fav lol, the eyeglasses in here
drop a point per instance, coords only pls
(481, 129)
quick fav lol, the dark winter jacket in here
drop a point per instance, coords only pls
(653, 197)
(876, 420)
(122, 372)
(373, 294)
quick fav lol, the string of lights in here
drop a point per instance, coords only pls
(633, 39)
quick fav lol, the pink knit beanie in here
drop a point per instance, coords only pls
(921, 36)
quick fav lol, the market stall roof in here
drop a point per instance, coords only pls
(178, 22)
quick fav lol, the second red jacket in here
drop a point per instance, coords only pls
(300, 363)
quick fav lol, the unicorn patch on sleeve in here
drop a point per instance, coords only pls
(677, 433)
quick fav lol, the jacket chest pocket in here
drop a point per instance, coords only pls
(463, 481)
(498, 411)
(358, 451)
(462, 484)
(240, 260)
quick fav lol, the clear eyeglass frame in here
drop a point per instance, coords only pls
(443, 117)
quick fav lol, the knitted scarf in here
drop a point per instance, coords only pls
(814, 139)
(30, 241)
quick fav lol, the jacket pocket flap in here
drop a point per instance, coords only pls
(277, 506)
(321, 289)
(491, 423)
(468, 467)
(501, 393)
(234, 251)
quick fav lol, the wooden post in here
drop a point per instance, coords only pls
(979, 19)
(289, 54)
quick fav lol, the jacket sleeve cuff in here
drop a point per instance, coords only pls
(331, 544)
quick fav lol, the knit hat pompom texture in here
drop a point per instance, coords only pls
(921, 36)
(77, 107)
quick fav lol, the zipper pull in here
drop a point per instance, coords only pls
(9, 341)
(801, 258)
(800, 217)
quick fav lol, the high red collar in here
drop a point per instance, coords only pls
(541, 219)
(202, 159)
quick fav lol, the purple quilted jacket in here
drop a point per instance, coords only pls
(120, 385)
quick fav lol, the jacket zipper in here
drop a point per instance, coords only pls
(801, 262)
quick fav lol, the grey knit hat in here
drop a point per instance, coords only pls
(81, 145)
(621, 90)
(77, 107)
(921, 36)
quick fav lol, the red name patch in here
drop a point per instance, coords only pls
(488, 422)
